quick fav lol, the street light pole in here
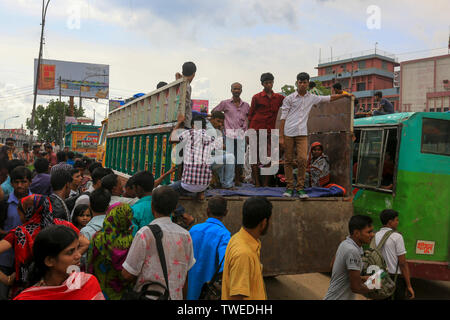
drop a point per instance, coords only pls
(4, 123)
(44, 12)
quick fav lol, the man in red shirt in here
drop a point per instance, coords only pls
(263, 115)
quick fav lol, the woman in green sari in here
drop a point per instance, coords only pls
(108, 250)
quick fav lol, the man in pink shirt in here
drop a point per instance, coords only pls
(236, 123)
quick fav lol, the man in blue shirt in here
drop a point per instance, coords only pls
(6, 185)
(210, 240)
(21, 180)
(143, 183)
(41, 182)
(385, 107)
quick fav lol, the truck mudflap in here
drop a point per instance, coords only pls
(303, 235)
(429, 270)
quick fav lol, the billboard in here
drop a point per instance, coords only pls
(198, 105)
(72, 79)
(114, 104)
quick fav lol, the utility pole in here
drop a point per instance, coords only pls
(44, 12)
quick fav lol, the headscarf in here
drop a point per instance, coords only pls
(109, 248)
(38, 214)
(319, 169)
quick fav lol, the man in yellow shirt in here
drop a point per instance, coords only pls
(242, 277)
(337, 88)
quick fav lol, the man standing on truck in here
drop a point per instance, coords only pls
(236, 123)
(262, 115)
(394, 253)
(346, 279)
(294, 131)
(188, 73)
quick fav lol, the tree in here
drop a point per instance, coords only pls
(48, 120)
(287, 90)
(325, 91)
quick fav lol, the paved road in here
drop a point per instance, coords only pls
(314, 286)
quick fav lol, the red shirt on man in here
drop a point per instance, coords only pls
(264, 110)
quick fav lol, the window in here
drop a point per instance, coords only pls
(374, 157)
(361, 86)
(436, 136)
(328, 70)
(361, 65)
(344, 67)
(384, 65)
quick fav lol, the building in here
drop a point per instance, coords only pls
(20, 135)
(362, 75)
(425, 84)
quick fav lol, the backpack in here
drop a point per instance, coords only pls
(374, 257)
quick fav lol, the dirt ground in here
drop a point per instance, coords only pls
(313, 286)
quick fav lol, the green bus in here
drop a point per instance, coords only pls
(401, 161)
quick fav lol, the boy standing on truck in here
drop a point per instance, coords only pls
(188, 73)
(394, 253)
(294, 132)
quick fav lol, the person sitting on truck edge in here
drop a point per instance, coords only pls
(346, 279)
(188, 73)
(294, 131)
(60, 181)
(385, 106)
(41, 182)
(161, 84)
(313, 89)
(112, 183)
(242, 272)
(197, 172)
(394, 253)
(222, 162)
(337, 88)
(318, 168)
(210, 240)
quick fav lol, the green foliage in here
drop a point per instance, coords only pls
(48, 120)
(325, 91)
(287, 89)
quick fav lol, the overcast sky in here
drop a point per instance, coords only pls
(145, 42)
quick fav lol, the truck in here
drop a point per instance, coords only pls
(82, 138)
(304, 234)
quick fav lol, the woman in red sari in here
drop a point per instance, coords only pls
(36, 214)
(55, 272)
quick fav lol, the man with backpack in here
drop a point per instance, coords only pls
(394, 254)
(346, 279)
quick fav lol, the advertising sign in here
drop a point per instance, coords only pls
(72, 79)
(114, 104)
(200, 105)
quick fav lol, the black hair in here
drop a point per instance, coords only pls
(188, 69)
(164, 200)
(110, 181)
(94, 166)
(358, 222)
(303, 76)
(48, 146)
(98, 174)
(74, 171)
(217, 206)
(337, 86)
(36, 146)
(255, 210)
(144, 179)
(312, 84)
(3, 163)
(49, 242)
(25, 144)
(79, 209)
(387, 215)
(79, 164)
(217, 115)
(41, 165)
(267, 77)
(70, 155)
(20, 173)
(99, 200)
(378, 94)
(12, 164)
(161, 84)
(61, 156)
(130, 182)
(59, 178)
(10, 139)
(199, 119)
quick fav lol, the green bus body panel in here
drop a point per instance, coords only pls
(422, 190)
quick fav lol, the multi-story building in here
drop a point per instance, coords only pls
(425, 84)
(362, 75)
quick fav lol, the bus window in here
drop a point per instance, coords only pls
(376, 151)
(436, 136)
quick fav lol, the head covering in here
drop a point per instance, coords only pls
(318, 169)
(39, 214)
(109, 249)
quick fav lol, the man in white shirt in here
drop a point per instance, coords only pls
(142, 264)
(394, 253)
(294, 132)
